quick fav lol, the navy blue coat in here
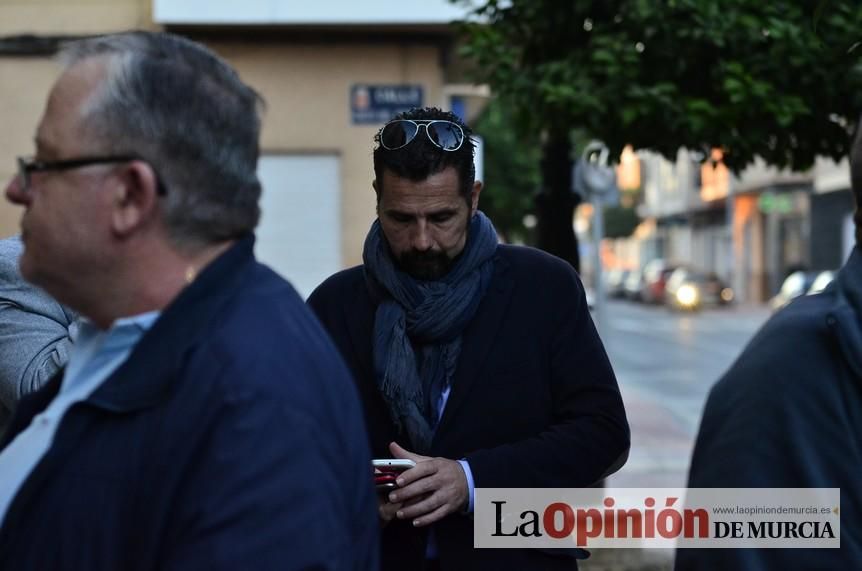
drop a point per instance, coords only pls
(230, 439)
(534, 401)
(788, 414)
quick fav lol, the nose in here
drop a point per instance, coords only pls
(422, 240)
(15, 192)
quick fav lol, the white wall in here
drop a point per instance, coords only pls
(299, 235)
(829, 175)
(303, 12)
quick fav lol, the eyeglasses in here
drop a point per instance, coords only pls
(27, 166)
(443, 134)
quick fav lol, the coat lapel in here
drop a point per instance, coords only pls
(478, 338)
(359, 322)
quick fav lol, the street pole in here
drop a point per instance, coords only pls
(598, 181)
(598, 235)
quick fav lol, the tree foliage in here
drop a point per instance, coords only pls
(511, 167)
(778, 79)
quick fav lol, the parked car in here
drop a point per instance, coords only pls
(590, 295)
(656, 274)
(616, 282)
(689, 289)
(822, 280)
(796, 284)
(634, 284)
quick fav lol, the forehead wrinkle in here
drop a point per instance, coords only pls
(420, 209)
(434, 195)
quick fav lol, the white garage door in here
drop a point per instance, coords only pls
(299, 235)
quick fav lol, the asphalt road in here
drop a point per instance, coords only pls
(665, 363)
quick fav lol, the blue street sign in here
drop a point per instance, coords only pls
(376, 104)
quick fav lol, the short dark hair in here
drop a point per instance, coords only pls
(856, 179)
(178, 105)
(421, 158)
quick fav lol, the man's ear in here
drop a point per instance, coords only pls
(134, 197)
(376, 188)
(474, 196)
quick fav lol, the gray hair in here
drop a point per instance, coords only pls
(186, 112)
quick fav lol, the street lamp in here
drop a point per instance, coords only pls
(596, 180)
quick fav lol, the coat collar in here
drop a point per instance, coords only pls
(144, 379)
(845, 314)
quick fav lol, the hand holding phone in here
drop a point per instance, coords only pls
(386, 471)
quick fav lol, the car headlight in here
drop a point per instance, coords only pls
(687, 295)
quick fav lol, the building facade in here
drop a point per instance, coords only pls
(331, 73)
(752, 230)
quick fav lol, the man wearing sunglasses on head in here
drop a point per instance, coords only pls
(478, 361)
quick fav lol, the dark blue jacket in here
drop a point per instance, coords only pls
(231, 438)
(788, 414)
(534, 401)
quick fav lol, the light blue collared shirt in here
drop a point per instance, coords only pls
(441, 405)
(431, 549)
(94, 355)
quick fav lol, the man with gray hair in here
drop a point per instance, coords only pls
(204, 420)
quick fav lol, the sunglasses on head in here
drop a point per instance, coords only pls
(443, 134)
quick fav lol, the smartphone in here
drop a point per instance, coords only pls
(386, 472)
(393, 464)
(385, 481)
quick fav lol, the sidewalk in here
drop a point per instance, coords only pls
(628, 560)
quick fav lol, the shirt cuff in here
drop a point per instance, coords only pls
(470, 485)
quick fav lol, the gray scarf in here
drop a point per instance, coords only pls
(418, 326)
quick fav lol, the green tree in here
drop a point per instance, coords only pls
(779, 79)
(511, 176)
